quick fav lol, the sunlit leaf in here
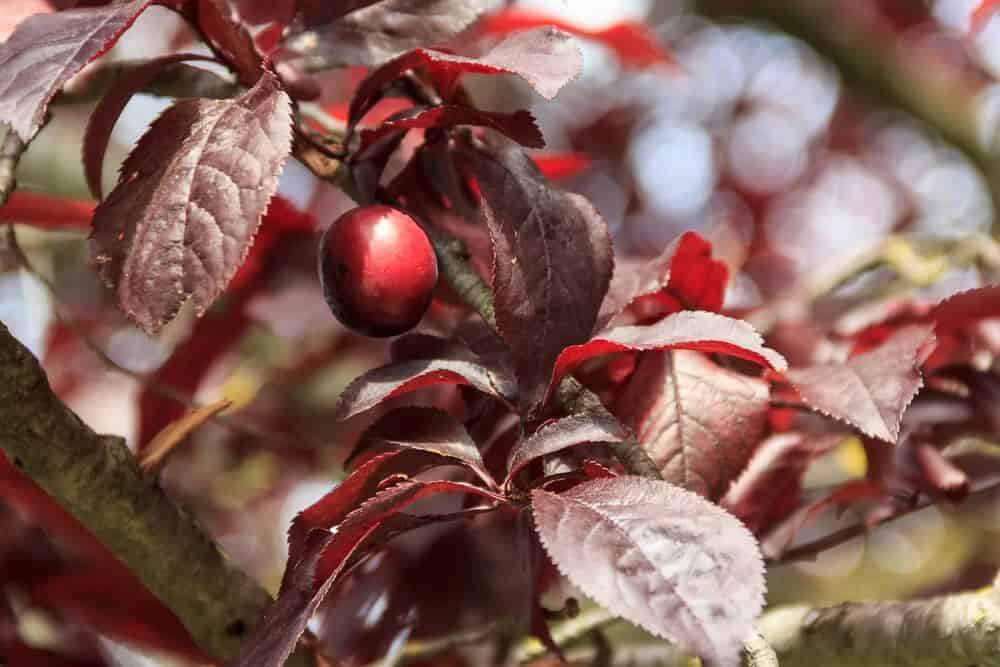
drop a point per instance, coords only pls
(189, 201)
(660, 557)
(869, 391)
(697, 421)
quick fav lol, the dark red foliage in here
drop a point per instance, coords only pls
(219, 331)
(557, 166)
(545, 58)
(66, 571)
(519, 126)
(552, 261)
(429, 430)
(105, 115)
(770, 486)
(690, 330)
(431, 189)
(697, 421)
(683, 277)
(277, 12)
(311, 13)
(383, 383)
(229, 37)
(869, 391)
(361, 484)
(647, 526)
(365, 32)
(207, 169)
(560, 434)
(46, 50)
(468, 417)
(960, 310)
(324, 556)
(18, 10)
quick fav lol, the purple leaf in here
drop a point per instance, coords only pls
(660, 557)
(552, 262)
(780, 538)
(385, 382)
(17, 11)
(972, 305)
(425, 429)
(519, 126)
(770, 487)
(483, 341)
(696, 420)
(431, 189)
(562, 433)
(189, 201)
(546, 58)
(690, 330)
(869, 391)
(106, 113)
(324, 556)
(274, 637)
(333, 507)
(345, 498)
(683, 277)
(371, 35)
(220, 23)
(45, 50)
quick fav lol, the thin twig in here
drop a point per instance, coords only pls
(428, 648)
(810, 550)
(574, 397)
(315, 141)
(565, 633)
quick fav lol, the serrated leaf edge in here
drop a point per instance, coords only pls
(686, 497)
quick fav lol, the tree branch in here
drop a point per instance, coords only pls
(956, 630)
(97, 480)
(758, 653)
(809, 550)
(11, 148)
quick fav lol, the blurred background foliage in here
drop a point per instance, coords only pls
(841, 154)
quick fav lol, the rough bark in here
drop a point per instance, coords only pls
(11, 148)
(96, 479)
(947, 631)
